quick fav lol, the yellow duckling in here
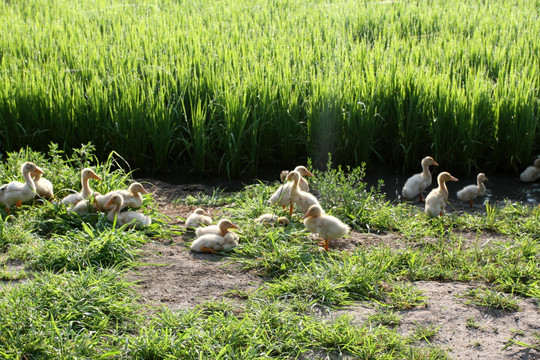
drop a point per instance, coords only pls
(126, 217)
(222, 228)
(437, 198)
(212, 243)
(327, 226)
(17, 192)
(471, 192)
(44, 188)
(282, 196)
(531, 173)
(271, 219)
(302, 199)
(86, 192)
(197, 218)
(416, 184)
(132, 197)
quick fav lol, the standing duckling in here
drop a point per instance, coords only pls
(127, 217)
(198, 218)
(221, 229)
(86, 192)
(531, 173)
(17, 192)
(437, 198)
(327, 226)
(302, 199)
(282, 196)
(471, 192)
(212, 243)
(417, 183)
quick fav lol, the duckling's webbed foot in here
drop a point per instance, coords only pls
(205, 249)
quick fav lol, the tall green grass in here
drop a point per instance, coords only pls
(232, 86)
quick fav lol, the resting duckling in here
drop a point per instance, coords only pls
(471, 192)
(17, 192)
(132, 197)
(44, 188)
(531, 173)
(126, 217)
(302, 199)
(327, 226)
(87, 206)
(197, 218)
(86, 192)
(212, 243)
(282, 196)
(271, 219)
(437, 198)
(221, 229)
(417, 183)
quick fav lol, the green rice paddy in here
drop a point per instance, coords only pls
(229, 87)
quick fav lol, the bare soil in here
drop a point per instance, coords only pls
(175, 277)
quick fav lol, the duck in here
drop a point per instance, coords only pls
(213, 243)
(87, 206)
(437, 198)
(17, 192)
(197, 218)
(44, 188)
(271, 219)
(86, 192)
(531, 173)
(328, 227)
(222, 228)
(302, 199)
(132, 197)
(282, 196)
(471, 192)
(127, 217)
(416, 184)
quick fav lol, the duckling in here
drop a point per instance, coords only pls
(437, 198)
(132, 197)
(87, 206)
(416, 184)
(122, 218)
(271, 219)
(471, 192)
(17, 192)
(222, 228)
(197, 218)
(212, 243)
(302, 199)
(44, 188)
(327, 226)
(531, 173)
(282, 196)
(86, 192)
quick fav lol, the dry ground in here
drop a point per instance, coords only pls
(180, 279)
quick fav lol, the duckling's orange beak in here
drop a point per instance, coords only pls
(308, 173)
(435, 163)
(109, 203)
(95, 176)
(144, 191)
(234, 226)
(38, 170)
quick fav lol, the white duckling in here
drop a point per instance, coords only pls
(17, 192)
(302, 199)
(197, 218)
(531, 173)
(86, 192)
(437, 198)
(282, 196)
(327, 226)
(126, 217)
(87, 206)
(221, 229)
(416, 184)
(44, 188)
(271, 219)
(132, 197)
(471, 192)
(213, 243)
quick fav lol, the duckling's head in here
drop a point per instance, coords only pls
(199, 211)
(30, 168)
(88, 173)
(137, 188)
(226, 224)
(282, 220)
(116, 200)
(537, 163)
(428, 161)
(481, 177)
(314, 210)
(444, 177)
(303, 171)
(294, 176)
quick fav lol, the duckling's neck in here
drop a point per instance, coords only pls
(425, 170)
(29, 181)
(86, 192)
(443, 189)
